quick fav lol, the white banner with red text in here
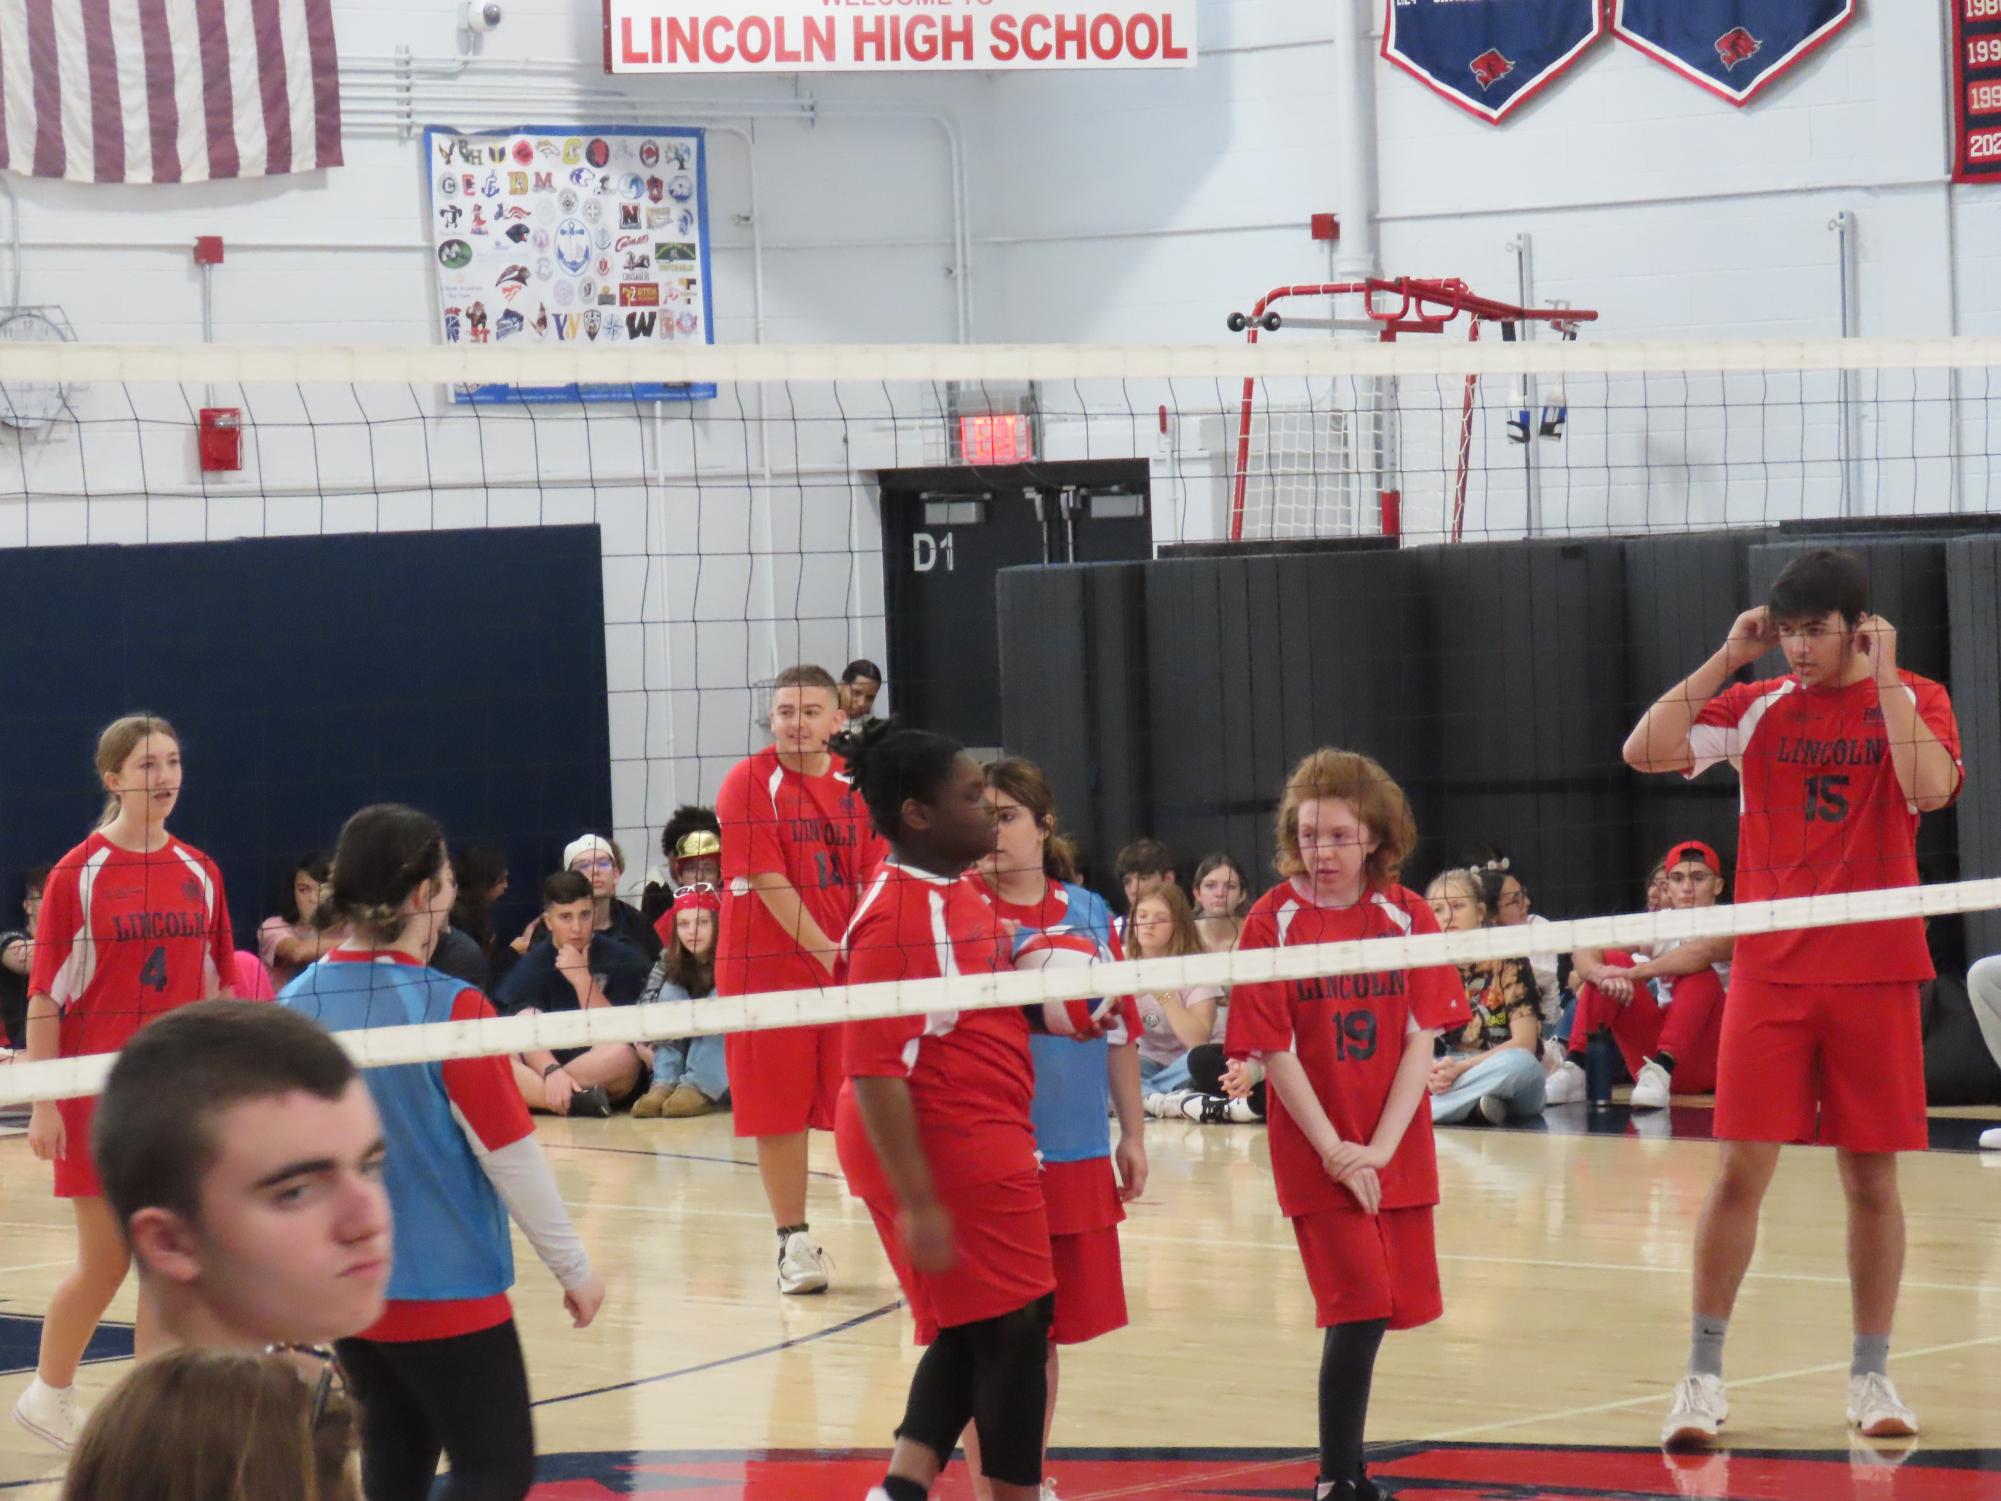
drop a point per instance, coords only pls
(829, 36)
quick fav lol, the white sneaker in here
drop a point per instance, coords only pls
(1492, 1109)
(1652, 1088)
(1165, 1107)
(1554, 1055)
(801, 1268)
(1875, 1409)
(1565, 1086)
(49, 1412)
(1698, 1410)
(1049, 1491)
(1990, 1140)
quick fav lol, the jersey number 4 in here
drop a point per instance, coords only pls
(1826, 799)
(154, 972)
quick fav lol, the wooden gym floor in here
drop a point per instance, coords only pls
(1565, 1254)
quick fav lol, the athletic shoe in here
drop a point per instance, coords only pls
(1652, 1088)
(686, 1100)
(1554, 1055)
(1164, 1107)
(1876, 1411)
(592, 1103)
(1990, 1140)
(1049, 1491)
(1492, 1109)
(648, 1106)
(1215, 1109)
(801, 1269)
(49, 1412)
(1565, 1086)
(1699, 1409)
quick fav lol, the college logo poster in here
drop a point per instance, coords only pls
(1492, 56)
(1731, 47)
(589, 235)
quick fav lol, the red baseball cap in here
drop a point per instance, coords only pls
(1692, 849)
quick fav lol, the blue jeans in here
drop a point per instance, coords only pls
(1515, 1074)
(1160, 1078)
(699, 1061)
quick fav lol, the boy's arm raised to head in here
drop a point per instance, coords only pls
(1659, 742)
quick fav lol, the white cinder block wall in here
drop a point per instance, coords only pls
(1101, 207)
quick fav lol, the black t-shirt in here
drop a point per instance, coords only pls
(13, 995)
(459, 956)
(535, 982)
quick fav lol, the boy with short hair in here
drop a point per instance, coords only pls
(1143, 867)
(241, 1155)
(1821, 1037)
(796, 847)
(578, 969)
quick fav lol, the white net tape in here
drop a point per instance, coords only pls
(381, 1046)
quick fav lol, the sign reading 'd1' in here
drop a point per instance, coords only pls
(825, 36)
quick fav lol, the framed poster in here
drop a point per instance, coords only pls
(1976, 90)
(559, 234)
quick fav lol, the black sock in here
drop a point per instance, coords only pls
(785, 1230)
(1666, 1062)
(1347, 1367)
(898, 1489)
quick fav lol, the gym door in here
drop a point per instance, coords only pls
(947, 532)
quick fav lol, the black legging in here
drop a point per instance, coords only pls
(1206, 1066)
(465, 1397)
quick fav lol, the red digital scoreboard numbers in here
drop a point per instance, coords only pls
(1976, 82)
(995, 438)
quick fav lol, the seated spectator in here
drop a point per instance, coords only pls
(1494, 1065)
(1664, 1010)
(601, 862)
(1585, 965)
(1983, 990)
(690, 1075)
(1221, 895)
(17, 952)
(288, 941)
(1173, 1020)
(691, 851)
(219, 1425)
(1144, 865)
(578, 970)
(861, 681)
(1513, 909)
(481, 871)
(458, 956)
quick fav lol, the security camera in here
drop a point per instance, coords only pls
(482, 15)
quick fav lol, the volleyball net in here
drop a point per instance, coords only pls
(1302, 541)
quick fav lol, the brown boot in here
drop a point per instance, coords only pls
(686, 1100)
(652, 1103)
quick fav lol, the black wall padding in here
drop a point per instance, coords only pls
(1255, 661)
(1073, 697)
(460, 671)
(1532, 709)
(1683, 593)
(1973, 590)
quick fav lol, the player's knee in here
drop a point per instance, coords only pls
(1870, 1181)
(940, 1399)
(1018, 1343)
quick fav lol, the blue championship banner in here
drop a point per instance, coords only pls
(1976, 90)
(1489, 56)
(1731, 47)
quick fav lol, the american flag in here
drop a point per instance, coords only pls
(167, 90)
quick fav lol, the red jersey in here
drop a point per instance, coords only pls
(815, 832)
(1821, 811)
(1348, 1033)
(124, 937)
(970, 1075)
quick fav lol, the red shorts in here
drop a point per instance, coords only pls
(1084, 1214)
(784, 1081)
(1001, 1233)
(1840, 1065)
(76, 1169)
(1371, 1266)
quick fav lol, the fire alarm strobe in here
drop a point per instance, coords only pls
(208, 250)
(220, 439)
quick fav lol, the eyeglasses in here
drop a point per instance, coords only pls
(595, 862)
(330, 1396)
